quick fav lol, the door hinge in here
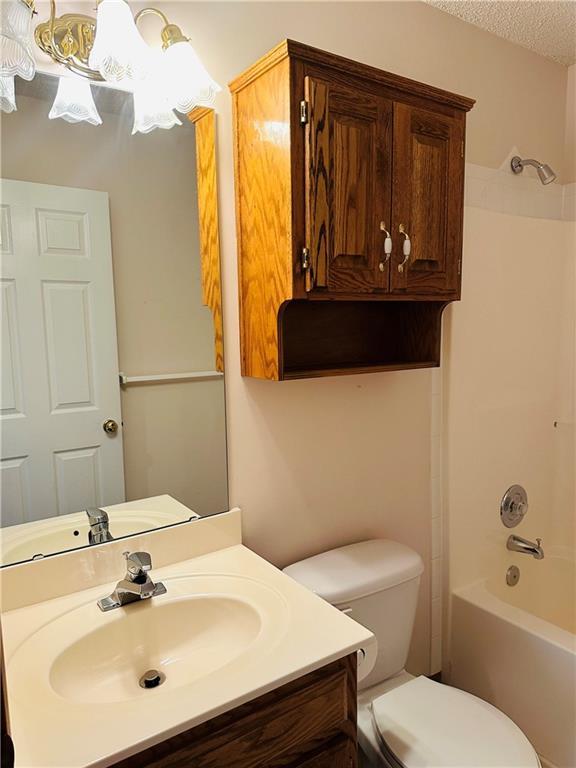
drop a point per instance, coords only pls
(304, 112)
(459, 266)
(462, 148)
(307, 268)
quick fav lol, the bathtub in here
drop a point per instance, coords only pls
(516, 648)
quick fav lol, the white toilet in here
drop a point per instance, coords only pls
(404, 720)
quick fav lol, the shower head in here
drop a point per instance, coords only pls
(545, 173)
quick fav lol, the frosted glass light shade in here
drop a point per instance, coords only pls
(7, 98)
(151, 108)
(16, 40)
(119, 52)
(187, 81)
(74, 102)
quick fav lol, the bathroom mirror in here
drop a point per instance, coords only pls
(112, 367)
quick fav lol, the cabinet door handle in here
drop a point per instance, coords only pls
(406, 247)
(387, 247)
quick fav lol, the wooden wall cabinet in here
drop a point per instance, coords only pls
(332, 158)
(308, 723)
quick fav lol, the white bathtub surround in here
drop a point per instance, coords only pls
(569, 202)
(436, 539)
(498, 189)
(508, 366)
(515, 197)
(513, 647)
(508, 399)
(502, 404)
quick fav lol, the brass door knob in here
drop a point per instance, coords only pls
(110, 426)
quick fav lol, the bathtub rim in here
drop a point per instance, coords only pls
(479, 595)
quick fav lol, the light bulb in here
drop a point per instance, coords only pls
(16, 40)
(74, 102)
(7, 98)
(119, 52)
(187, 81)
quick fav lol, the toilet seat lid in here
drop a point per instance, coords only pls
(427, 725)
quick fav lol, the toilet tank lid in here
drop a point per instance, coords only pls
(357, 570)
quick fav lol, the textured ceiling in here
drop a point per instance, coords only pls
(547, 27)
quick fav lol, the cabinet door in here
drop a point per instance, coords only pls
(428, 180)
(348, 188)
(342, 754)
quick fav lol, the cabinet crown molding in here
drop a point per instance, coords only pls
(293, 49)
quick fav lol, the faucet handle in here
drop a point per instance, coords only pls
(96, 515)
(138, 562)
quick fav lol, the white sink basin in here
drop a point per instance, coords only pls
(202, 625)
(184, 639)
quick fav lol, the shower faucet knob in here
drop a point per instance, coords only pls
(514, 506)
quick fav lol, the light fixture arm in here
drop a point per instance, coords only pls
(170, 34)
(151, 12)
(52, 40)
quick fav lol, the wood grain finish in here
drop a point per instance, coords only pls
(205, 122)
(376, 149)
(310, 721)
(317, 181)
(348, 184)
(428, 200)
(403, 86)
(340, 754)
(334, 338)
(263, 212)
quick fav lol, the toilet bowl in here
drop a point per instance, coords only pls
(406, 721)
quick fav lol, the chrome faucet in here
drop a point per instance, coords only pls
(98, 520)
(526, 547)
(136, 585)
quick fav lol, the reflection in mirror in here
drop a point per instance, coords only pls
(112, 375)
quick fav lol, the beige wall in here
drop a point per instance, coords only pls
(412, 39)
(174, 435)
(570, 137)
(315, 464)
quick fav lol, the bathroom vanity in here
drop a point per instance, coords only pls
(308, 723)
(251, 668)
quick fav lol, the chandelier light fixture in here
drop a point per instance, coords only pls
(108, 48)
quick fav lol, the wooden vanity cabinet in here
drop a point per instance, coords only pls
(331, 156)
(307, 723)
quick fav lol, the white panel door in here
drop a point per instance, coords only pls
(59, 353)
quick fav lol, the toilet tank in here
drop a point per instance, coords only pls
(376, 583)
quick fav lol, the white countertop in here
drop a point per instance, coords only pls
(51, 731)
